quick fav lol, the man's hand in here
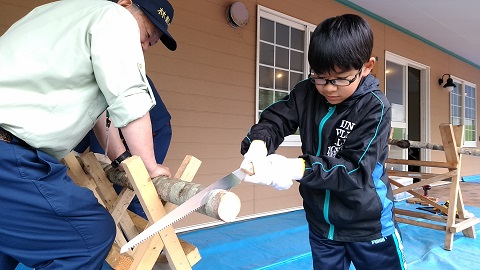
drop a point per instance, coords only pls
(256, 153)
(277, 171)
(160, 171)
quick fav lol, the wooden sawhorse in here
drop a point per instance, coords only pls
(451, 137)
(87, 171)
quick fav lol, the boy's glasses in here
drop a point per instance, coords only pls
(336, 82)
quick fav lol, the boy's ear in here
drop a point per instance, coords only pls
(369, 66)
(125, 3)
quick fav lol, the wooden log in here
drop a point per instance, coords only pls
(221, 204)
(432, 146)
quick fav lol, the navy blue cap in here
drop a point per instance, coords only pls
(160, 13)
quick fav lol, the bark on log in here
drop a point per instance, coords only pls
(221, 204)
(432, 146)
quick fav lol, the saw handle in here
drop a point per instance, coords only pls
(248, 168)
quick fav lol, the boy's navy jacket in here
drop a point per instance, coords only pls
(345, 189)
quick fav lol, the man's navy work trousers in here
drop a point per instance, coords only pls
(46, 221)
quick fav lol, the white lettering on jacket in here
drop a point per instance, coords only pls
(342, 133)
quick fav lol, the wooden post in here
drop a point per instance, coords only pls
(88, 172)
(452, 137)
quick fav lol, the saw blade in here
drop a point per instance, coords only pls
(189, 206)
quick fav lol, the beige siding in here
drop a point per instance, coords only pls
(208, 84)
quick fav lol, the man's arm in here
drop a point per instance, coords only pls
(115, 144)
(138, 136)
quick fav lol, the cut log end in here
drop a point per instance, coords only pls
(223, 204)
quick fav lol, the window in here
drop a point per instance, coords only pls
(282, 48)
(463, 110)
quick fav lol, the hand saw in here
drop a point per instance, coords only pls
(187, 207)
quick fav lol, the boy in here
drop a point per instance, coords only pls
(344, 121)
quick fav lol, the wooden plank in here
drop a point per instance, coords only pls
(114, 259)
(468, 223)
(451, 155)
(128, 227)
(121, 204)
(76, 173)
(188, 168)
(139, 221)
(449, 143)
(118, 261)
(109, 196)
(458, 132)
(421, 224)
(190, 250)
(411, 174)
(185, 172)
(146, 254)
(105, 187)
(437, 164)
(419, 184)
(417, 214)
(154, 210)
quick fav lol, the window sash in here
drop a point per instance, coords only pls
(282, 46)
(463, 110)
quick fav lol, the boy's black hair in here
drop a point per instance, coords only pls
(340, 43)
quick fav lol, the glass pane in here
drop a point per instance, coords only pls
(283, 35)
(296, 62)
(394, 74)
(281, 58)
(265, 98)
(281, 79)
(456, 90)
(266, 30)
(294, 79)
(455, 121)
(469, 135)
(266, 77)
(297, 39)
(470, 91)
(266, 54)
(455, 111)
(469, 124)
(470, 114)
(280, 95)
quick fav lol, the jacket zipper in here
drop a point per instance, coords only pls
(326, 203)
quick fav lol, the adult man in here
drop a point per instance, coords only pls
(61, 66)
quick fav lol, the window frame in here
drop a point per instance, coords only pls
(463, 106)
(307, 28)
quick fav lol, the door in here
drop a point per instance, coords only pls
(406, 89)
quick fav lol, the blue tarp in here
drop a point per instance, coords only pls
(471, 178)
(281, 242)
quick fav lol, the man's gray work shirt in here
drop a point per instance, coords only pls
(63, 64)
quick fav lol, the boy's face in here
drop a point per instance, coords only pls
(347, 82)
(336, 94)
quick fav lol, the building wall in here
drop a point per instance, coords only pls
(208, 84)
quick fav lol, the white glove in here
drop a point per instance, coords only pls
(256, 153)
(277, 171)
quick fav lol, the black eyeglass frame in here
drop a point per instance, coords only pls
(334, 81)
